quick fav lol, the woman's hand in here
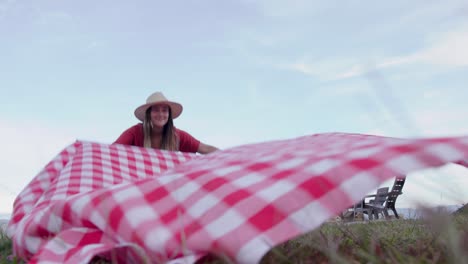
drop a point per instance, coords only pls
(205, 149)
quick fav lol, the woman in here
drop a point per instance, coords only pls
(158, 131)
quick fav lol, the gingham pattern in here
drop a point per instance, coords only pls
(135, 205)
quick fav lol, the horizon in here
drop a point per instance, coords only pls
(245, 72)
(413, 211)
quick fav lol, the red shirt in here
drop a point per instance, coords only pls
(134, 136)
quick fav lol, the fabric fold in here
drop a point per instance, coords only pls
(158, 206)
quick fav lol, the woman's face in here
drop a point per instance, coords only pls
(159, 115)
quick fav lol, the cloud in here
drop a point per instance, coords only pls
(434, 187)
(5, 6)
(325, 70)
(361, 69)
(29, 143)
(338, 69)
(442, 122)
(289, 9)
(26, 148)
(450, 50)
(6, 203)
(445, 49)
(3, 9)
(95, 45)
(443, 186)
(444, 118)
(55, 18)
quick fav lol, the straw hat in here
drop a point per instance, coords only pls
(158, 98)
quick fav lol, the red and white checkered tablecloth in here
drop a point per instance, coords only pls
(135, 205)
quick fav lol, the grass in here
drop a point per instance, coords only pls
(405, 241)
(438, 239)
(5, 249)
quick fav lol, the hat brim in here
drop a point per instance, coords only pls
(176, 109)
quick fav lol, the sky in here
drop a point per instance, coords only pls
(246, 71)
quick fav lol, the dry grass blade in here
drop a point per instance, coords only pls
(437, 239)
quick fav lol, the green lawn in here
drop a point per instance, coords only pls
(442, 239)
(5, 249)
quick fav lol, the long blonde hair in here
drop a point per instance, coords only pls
(169, 138)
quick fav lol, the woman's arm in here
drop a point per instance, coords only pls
(205, 149)
(130, 136)
(187, 143)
